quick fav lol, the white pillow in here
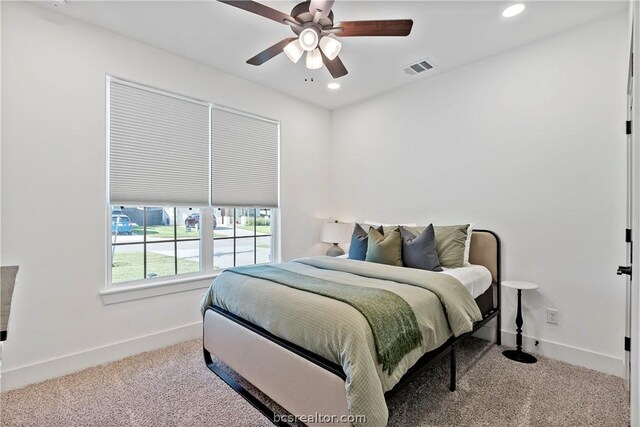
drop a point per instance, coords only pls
(377, 224)
(467, 244)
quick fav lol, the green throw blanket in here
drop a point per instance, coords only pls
(393, 323)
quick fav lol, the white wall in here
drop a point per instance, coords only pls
(54, 189)
(530, 144)
(527, 143)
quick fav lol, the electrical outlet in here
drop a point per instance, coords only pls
(553, 316)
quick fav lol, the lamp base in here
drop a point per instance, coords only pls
(335, 250)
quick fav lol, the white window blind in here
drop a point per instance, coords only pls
(158, 148)
(244, 152)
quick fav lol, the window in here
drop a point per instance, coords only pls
(150, 242)
(173, 161)
(242, 237)
(155, 242)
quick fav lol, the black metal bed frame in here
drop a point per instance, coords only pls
(426, 361)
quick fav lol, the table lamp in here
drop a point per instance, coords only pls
(335, 232)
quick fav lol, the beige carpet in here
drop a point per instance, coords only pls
(173, 387)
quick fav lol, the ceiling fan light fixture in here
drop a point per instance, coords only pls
(330, 46)
(314, 59)
(308, 39)
(311, 21)
(294, 51)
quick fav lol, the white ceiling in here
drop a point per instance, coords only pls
(449, 33)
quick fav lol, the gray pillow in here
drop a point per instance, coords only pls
(420, 251)
(384, 248)
(450, 244)
(451, 241)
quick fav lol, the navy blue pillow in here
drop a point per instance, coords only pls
(359, 242)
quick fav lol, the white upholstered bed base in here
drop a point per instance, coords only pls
(295, 383)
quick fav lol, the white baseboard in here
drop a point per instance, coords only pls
(56, 367)
(562, 352)
(52, 368)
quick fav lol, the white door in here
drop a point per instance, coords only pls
(629, 223)
(632, 337)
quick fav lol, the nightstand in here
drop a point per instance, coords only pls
(518, 355)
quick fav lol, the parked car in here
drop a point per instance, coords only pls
(120, 224)
(193, 221)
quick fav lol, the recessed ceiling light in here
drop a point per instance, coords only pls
(513, 10)
(333, 85)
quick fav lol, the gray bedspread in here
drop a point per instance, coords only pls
(340, 333)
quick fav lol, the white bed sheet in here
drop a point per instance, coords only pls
(476, 278)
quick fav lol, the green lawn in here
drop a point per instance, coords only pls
(264, 229)
(166, 232)
(129, 266)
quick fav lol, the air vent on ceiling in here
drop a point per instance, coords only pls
(419, 67)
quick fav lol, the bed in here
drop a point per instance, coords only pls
(277, 339)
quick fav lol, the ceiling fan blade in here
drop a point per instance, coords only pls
(394, 27)
(321, 6)
(270, 52)
(335, 66)
(260, 9)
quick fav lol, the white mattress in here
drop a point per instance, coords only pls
(476, 278)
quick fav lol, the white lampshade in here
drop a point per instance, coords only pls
(308, 39)
(294, 51)
(330, 46)
(314, 59)
(336, 232)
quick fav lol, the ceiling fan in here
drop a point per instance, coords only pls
(312, 22)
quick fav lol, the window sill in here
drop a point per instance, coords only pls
(117, 294)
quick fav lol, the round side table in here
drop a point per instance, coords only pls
(518, 355)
